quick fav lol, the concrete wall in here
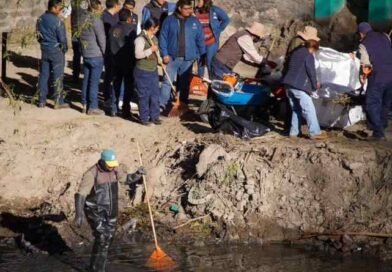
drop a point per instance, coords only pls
(18, 13)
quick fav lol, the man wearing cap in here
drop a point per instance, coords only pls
(240, 45)
(376, 55)
(97, 196)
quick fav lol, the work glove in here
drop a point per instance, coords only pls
(79, 209)
(141, 171)
(137, 176)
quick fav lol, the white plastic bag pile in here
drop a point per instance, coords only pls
(338, 73)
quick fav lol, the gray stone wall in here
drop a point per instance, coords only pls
(285, 17)
(20, 13)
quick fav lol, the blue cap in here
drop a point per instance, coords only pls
(109, 157)
(364, 28)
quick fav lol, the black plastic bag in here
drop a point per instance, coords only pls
(224, 120)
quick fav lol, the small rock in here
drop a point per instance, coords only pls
(337, 245)
(239, 195)
(250, 189)
(375, 242)
(361, 239)
(251, 182)
(321, 145)
(199, 243)
(388, 243)
(240, 175)
(323, 238)
(209, 155)
(347, 241)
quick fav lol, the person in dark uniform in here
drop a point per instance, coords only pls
(375, 51)
(110, 19)
(130, 5)
(157, 9)
(121, 38)
(79, 8)
(97, 198)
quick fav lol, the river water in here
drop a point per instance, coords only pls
(214, 257)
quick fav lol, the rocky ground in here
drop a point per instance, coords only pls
(334, 194)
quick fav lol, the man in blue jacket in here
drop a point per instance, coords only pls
(181, 42)
(53, 40)
(376, 52)
(214, 20)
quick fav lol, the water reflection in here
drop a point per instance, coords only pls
(217, 258)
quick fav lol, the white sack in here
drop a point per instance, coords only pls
(337, 72)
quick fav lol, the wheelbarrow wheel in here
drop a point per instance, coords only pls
(205, 108)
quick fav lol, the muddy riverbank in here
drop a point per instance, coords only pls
(203, 184)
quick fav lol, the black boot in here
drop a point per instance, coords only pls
(79, 209)
(99, 254)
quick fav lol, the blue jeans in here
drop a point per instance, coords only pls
(378, 104)
(183, 70)
(52, 67)
(211, 52)
(219, 69)
(302, 105)
(147, 86)
(92, 74)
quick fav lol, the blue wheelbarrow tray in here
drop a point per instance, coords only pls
(247, 95)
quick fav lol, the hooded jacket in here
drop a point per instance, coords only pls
(194, 38)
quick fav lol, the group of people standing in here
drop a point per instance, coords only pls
(300, 80)
(171, 35)
(176, 36)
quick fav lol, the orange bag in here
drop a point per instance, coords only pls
(198, 87)
(231, 79)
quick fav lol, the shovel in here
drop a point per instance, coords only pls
(177, 109)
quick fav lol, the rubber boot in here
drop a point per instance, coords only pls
(99, 254)
(79, 209)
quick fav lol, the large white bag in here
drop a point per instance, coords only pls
(338, 73)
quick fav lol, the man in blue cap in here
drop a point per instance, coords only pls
(376, 56)
(98, 198)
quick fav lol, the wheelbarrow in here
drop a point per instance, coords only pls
(247, 98)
